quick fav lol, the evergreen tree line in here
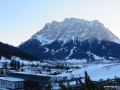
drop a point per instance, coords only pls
(57, 66)
(8, 51)
(16, 64)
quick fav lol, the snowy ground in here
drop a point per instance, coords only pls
(96, 70)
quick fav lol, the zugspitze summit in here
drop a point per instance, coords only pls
(73, 39)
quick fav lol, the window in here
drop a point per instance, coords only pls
(10, 84)
(6, 83)
(21, 84)
(15, 84)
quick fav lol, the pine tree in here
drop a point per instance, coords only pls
(32, 65)
(12, 63)
(2, 72)
(22, 65)
(5, 65)
(63, 87)
(89, 85)
(17, 64)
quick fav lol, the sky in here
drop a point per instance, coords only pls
(20, 19)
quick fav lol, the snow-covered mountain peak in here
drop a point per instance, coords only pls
(74, 28)
(81, 21)
(73, 20)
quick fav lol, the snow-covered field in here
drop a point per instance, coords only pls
(96, 70)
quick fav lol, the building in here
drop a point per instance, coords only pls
(25, 81)
(32, 81)
(11, 83)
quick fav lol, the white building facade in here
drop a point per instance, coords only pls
(11, 83)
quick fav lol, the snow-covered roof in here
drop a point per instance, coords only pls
(58, 78)
(12, 79)
(30, 77)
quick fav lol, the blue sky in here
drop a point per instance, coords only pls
(20, 19)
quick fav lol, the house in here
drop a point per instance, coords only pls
(21, 80)
(32, 81)
(11, 83)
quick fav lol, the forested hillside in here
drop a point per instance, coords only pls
(8, 51)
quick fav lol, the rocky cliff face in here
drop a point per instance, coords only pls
(72, 29)
(73, 38)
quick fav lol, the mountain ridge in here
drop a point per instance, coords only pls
(8, 51)
(73, 28)
(70, 39)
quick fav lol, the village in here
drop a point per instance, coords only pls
(47, 75)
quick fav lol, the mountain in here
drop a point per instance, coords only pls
(73, 39)
(72, 29)
(8, 51)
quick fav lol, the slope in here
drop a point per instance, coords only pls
(8, 51)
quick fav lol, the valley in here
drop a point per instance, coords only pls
(70, 51)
